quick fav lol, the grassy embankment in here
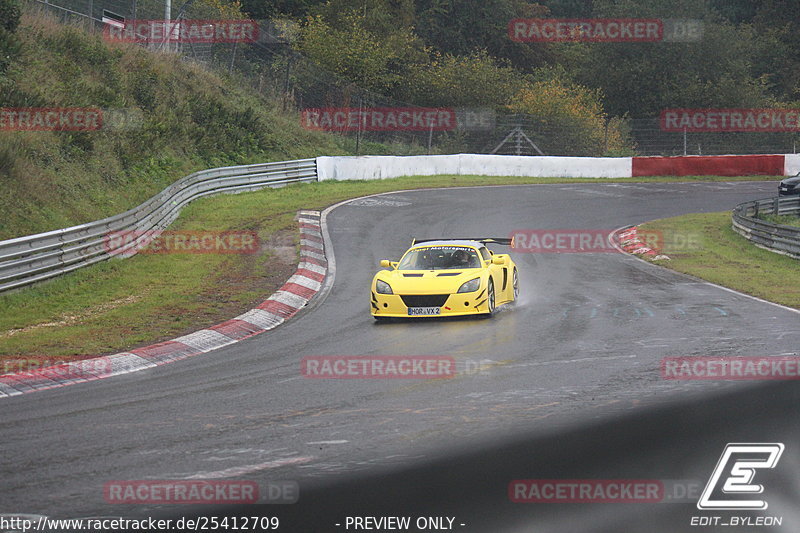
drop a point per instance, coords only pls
(720, 255)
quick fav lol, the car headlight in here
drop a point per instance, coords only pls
(470, 286)
(382, 287)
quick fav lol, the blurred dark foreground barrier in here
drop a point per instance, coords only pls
(470, 484)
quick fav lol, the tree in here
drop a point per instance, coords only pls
(569, 118)
(778, 55)
(270, 9)
(736, 11)
(9, 21)
(461, 27)
(474, 80)
(349, 49)
(197, 10)
(641, 79)
(380, 17)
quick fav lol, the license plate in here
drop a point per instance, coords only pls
(415, 311)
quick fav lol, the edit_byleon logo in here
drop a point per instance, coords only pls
(732, 479)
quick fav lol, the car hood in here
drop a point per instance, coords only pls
(427, 281)
(794, 180)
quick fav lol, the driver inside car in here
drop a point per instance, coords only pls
(459, 259)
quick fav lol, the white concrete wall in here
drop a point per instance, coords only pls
(791, 164)
(381, 167)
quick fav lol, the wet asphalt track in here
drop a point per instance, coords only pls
(583, 342)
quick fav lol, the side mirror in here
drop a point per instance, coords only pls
(385, 263)
(497, 260)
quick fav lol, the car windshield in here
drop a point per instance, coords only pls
(439, 258)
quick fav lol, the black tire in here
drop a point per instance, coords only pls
(491, 298)
(515, 283)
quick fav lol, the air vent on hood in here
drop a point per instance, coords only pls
(412, 275)
(424, 300)
(449, 274)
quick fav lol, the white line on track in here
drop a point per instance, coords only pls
(244, 470)
(568, 361)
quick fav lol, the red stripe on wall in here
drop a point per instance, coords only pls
(712, 165)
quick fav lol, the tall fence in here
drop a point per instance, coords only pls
(775, 237)
(274, 69)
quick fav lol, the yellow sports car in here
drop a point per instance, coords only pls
(448, 277)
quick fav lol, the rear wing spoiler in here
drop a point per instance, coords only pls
(482, 240)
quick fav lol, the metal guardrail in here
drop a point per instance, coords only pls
(774, 237)
(34, 258)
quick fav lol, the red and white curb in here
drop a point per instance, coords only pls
(628, 240)
(629, 236)
(285, 303)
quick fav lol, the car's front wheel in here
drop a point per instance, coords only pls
(515, 283)
(491, 298)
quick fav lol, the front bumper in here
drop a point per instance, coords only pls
(786, 191)
(458, 304)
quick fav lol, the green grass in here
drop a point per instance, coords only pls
(191, 119)
(122, 304)
(724, 257)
